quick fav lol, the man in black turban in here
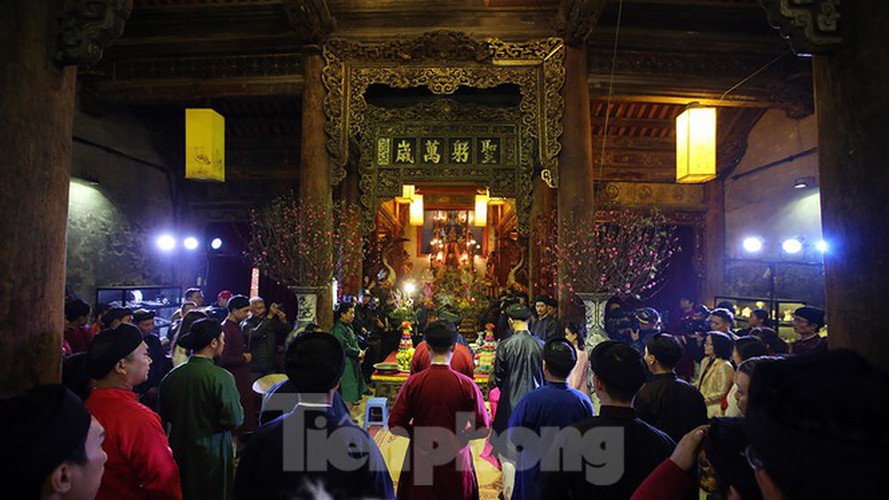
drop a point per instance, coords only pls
(618, 373)
(199, 401)
(270, 469)
(53, 447)
(544, 325)
(140, 462)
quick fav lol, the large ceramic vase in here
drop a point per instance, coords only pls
(307, 298)
(594, 306)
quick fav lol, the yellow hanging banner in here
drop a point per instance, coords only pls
(204, 145)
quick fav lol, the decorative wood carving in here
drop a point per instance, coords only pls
(509, 178)
(629, 194)
(87, 27)
(577, 19)
(310, 19)
(811, 26)
(442, 61)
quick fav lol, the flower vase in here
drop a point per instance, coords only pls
(306, 304)
(594, 306)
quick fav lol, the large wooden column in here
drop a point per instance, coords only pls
(36, 120)
(540, 251)
(575, 196)
(350, 279)
(851, 101)
(714, 242)
(314, 170)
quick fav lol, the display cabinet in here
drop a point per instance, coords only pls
(163, 300)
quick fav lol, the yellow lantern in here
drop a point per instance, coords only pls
(481, 209)
(416, 210)
(204, 145)
(407, 193)
(696, 145)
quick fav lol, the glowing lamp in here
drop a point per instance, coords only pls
(407, 193)
(481, 210)
(696, 145)
(752, 244)
(204, 145)
(416, 210)
(792, 245)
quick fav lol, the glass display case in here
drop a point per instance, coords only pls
(163, 300)
(780, 312)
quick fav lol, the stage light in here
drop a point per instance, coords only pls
(792, 245)
(822, 246)
(752, 244)
(166, 242)
(190, 243)
(216, 244)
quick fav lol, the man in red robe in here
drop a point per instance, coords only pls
(140, 463)
(440, 410)
(236, 359)
(461, 362)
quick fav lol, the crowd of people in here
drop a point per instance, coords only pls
(625, 411)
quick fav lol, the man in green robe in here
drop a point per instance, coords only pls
(352, 385)
(200, 405)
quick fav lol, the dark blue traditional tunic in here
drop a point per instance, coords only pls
(554, 406)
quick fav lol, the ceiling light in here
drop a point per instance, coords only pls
(792, 245)
(752, 244)
(190, 243)
(166, 242)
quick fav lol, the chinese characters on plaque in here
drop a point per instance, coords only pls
(453, 151)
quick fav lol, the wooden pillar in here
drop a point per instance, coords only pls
(714, 243)
(351, 281)
(540, 258)
(314, 169)
(851, 100)
(36, 120)
(575, 196)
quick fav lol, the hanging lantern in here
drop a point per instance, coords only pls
(696, 145)
(204, 145)
(416, 210)
(481, 209)
(407, 193)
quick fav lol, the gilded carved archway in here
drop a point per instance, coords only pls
(443, 61)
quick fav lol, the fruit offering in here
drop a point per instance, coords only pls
(488, 351)
(405, 353)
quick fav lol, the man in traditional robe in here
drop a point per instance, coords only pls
(461, 362)
(440, 410)
(140, 462)
(807, 322)
(615, 450)
(160, 363)
(237, 359)
(667, 402)
(517, 371)
(545, 325)
(77, 333)
(543, 412)
(199, 401)
(284, 458)
(52, 446)
(352, 385)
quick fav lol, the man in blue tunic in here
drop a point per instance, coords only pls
(541, 414)
(324, 455)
